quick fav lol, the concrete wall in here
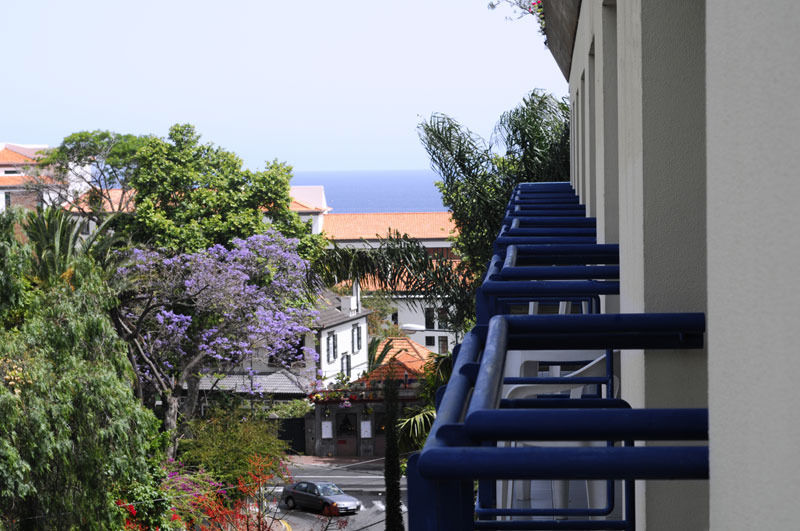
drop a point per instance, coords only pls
(638, 80)
(753, 262)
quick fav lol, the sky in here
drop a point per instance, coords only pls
(323, 86)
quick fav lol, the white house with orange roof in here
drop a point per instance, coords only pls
(310, 204)
(433, 230)
(15, 159)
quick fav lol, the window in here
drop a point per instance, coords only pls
(430, 341)
(346, 365)
(356, 338)
(331, 347)
(12, 172)
(441, 317)
(429, 320)
(8, 199)
(443, 345)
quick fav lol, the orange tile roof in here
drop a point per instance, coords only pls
(14, 180)
(297, 206)
(8, 156)
(109, 204)
(419, 225)
(409, 353)
(393, 369)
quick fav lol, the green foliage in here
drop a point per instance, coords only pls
(414, 427)
(292, 409)
(56, 244)
(72, 432)
(374, 358)
(402, 266)
(14, 262)
(223, 443)
(417, 421)
(382, 306)
(477, 181)
(391, 472)
(99, 161)
(190, 196)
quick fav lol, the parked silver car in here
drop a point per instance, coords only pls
(325, 497)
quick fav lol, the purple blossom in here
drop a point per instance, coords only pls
(212, 309)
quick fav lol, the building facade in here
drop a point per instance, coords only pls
(684, 126)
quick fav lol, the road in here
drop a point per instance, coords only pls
(361, 480)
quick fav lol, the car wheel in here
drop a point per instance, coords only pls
(290, 502)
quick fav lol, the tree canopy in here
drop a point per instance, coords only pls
(190, 196)
(530, 143)
(195, 314)
(72, 431)
(90, 172)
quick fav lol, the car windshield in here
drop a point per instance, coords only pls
(330, 490)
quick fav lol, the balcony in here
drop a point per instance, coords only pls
(531, 412)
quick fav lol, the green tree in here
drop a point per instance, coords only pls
(90, 171)
(416, 422)
(14, 264)
(72, 431)
(224, 443)
(391, 462)
(530, 143)
(57, 243)
(190, 196)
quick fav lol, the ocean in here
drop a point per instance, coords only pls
(376, 191)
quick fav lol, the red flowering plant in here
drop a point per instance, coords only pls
(251, 504)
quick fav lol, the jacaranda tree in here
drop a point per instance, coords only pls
(202, 313)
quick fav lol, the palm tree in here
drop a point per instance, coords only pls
(57, 242)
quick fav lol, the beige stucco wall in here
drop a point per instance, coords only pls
(646, 122)
(754, 262)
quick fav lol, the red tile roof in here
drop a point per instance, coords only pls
(404, 357)
(8, 156)
(419, 225)
(109, 204)
(297, 206)
(14, 180)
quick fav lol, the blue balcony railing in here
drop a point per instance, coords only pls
(504, 429)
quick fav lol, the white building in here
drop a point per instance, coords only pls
(685, 127)
(341, 338)
(433, 231)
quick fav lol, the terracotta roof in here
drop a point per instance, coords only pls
(419, 225)
(308, 199)
(409, 353)
(370, 284)
(9, 156)
(297, 206)
(14, 180)
(115, 195)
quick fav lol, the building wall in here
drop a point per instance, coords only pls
(409, 313)
(753, 256)
(637, 85)
(345, 346)
(19, 197)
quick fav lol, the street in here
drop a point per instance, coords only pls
(361, 479)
